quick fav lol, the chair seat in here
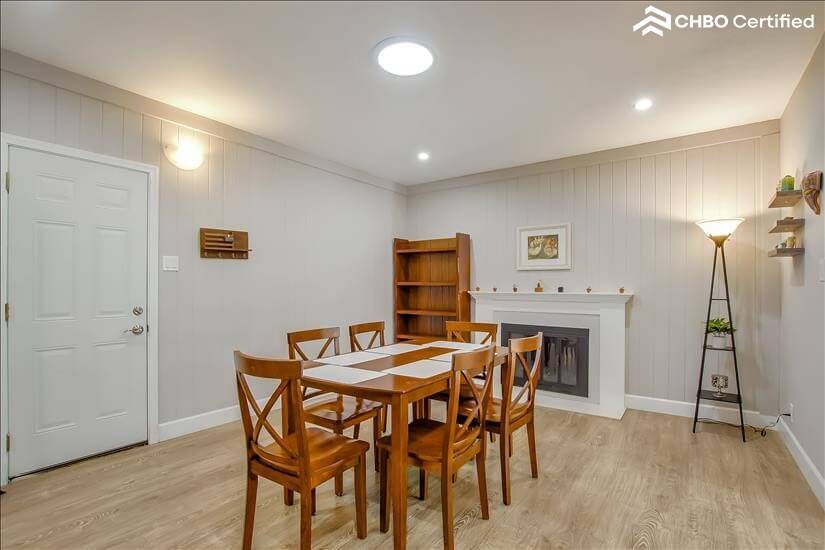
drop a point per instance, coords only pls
(325, 448)
(494, 410)
(426, 440)
(342, 413)
(465, 393)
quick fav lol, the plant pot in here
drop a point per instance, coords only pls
(719, 340)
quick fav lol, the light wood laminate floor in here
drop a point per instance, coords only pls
(643, 482)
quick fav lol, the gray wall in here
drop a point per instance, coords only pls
(633, 225)
(321, 241)
(803, 306)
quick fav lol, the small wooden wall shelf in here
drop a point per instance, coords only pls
(431, 280)
(788, 225)
(783, 252)
(224, 244)
(784, 199)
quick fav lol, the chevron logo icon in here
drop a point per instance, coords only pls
(657, 21)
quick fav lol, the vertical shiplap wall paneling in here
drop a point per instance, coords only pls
(678, 219)
(696, 286)
(321, 242)
(633, 226)
(67, 119)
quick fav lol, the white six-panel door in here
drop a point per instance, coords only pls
(76, 286)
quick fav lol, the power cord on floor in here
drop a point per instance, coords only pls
(763, 430)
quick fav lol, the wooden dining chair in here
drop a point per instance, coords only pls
(443, 447)
(299, 459)
(340, 413)
(455, 331)
(375, 331)
(508, 414)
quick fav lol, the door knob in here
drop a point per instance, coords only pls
(137, 329)
(137, 310)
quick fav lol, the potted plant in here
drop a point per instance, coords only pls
(719, 327)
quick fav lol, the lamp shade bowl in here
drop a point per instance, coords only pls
(719, 228)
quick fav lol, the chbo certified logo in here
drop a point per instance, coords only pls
(655, 18)
(656, 21)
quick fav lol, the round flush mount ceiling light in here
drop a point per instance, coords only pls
(403, 56)
(643, 104)
(186, 155)
(423, 156)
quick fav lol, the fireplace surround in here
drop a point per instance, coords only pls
(604, 314)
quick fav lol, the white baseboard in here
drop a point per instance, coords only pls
(803, 461)
(202, 421)
(685, 408)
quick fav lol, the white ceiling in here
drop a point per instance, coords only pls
(512, 83)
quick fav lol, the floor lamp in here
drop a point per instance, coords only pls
(719, 231)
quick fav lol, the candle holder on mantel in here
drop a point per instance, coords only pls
(539, 287)
(515, 288)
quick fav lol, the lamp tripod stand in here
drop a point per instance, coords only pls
(719, 231)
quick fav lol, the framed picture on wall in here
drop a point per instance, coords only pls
(543, 247)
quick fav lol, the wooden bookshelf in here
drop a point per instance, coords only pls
(431, 279)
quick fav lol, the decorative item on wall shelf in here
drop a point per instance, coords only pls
(786, 184)
(515, 288)
(539, 287)
(478, 288)
(589, 290)
(224, 244)
(560, 289)
(543, 247)
(811, 187)
(621, 290)
(494, 289)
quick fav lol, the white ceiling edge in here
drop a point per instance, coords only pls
(21, 65)
(16, 63)
(668, 145)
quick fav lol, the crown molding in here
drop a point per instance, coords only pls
(16, 63)
(692, 141)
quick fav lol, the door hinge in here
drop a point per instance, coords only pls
(6, 312)
(8, 182)
(8, 442)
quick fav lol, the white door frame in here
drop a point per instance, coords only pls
(8, 140)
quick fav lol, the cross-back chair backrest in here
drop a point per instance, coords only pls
(331, 337)
(462, 432)
(375, 330)
(255, 419)
(520, 349)
(455, 330)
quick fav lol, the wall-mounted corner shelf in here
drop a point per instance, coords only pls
(783, 252)
(788, 225)
(784, 199)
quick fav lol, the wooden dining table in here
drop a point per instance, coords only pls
(399, 392)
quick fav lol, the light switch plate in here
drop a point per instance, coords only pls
(171, 263)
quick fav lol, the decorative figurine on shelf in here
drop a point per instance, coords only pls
(790, 242)
(621, 290)
(478, 288)
(811, 186)
(560, 289)
(539, 287)
(589, 290)
(515, 288)
(494, 289)
(787, 183)
(719, 383)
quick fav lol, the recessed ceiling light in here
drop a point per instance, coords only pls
(403, 57)
(643, 104)
(423, 155)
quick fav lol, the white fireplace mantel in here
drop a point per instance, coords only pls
(611, 310)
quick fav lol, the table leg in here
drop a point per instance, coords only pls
(398, 471)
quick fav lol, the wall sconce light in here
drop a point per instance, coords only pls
(186, 155)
